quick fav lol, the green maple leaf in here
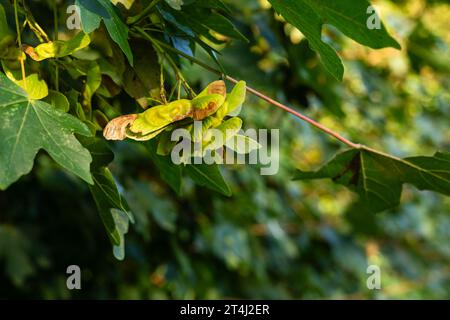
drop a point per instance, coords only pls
(378, 177)
(111, 204)
(30, 125)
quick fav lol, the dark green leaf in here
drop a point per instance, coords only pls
(220, 24)
(14, 254)
(214, 4)
(91, 14)
(143, 80)
(348, 16)
(93, 11)
(57, 100)
(113, 209)
(170, 172)
(208, 176)
(100, 151)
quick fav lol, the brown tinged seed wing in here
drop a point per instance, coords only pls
(116, 128)
(205, 106)
(216, 87)
(161, 116)
(139, 137)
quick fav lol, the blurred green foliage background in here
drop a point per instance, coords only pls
(274, 238)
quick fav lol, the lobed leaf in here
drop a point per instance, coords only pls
(28, 126)
(113, 209)
(378, 177)
(349, 16)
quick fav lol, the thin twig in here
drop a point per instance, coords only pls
(55, 38)
(298, 115)
(144, 13)
(19, 41)
(34, 26)
(178, 73)
(162, 89)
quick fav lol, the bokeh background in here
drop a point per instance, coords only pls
(274, 238)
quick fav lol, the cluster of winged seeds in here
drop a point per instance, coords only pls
(213, 107)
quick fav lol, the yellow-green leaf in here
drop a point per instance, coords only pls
(126, 3)
(59, 48)
(36, 88)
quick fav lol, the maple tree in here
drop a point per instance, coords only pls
(59, 93)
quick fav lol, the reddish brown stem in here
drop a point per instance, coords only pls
(297, 114)
(251, 90)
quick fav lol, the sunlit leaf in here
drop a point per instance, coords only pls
(59, 48)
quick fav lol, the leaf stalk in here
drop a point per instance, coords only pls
(19, 41)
